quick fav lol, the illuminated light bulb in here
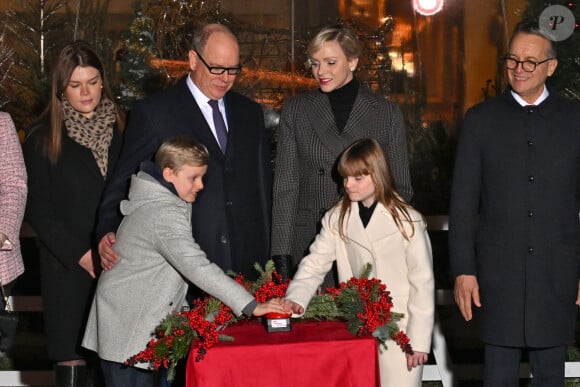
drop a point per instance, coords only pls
(428, 7)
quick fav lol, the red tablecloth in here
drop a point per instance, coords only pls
(317, 354)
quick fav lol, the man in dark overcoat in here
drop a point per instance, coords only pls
(231, 216)
(514, 230)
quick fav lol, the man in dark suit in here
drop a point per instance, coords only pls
(514, 231)
(231, 217)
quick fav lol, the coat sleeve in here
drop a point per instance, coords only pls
(286, 183)
(465, 198)
(13, 186)
(139, 144)
(315, 265)
(265, 173)
(13, 191)
(421, 304)
(176, 244)
(398, 154)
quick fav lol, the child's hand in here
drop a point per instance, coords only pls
(416, 359)
(271, 306)
(291, 306)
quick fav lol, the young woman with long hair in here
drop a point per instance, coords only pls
(69, 156)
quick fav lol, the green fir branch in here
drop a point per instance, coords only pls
(169, 322)
(322, 307)
(227, 338)
(366, 271)
(349, 301)
(213, 306)
(265, 274)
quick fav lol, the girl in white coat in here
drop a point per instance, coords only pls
(372, 224)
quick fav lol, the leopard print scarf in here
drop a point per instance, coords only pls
(94, 133)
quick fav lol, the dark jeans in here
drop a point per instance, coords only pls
(162, 379)
(502, 364)
(119, 375)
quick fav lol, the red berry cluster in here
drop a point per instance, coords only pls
(275, 288)
(377, 302)
(207, 330)
(192, 324)
(147, 356)
(376, 312)
(196, 324)
(403, 340)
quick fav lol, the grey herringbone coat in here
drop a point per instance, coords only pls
(309, 144)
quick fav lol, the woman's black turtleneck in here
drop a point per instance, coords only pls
(342, 101)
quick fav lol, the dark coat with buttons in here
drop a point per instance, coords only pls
(62, 205)
(309, 145)
(231, 215)
(514, 218)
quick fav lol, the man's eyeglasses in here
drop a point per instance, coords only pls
(527, 65)
(220, 70)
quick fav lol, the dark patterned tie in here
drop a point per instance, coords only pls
(220, 125)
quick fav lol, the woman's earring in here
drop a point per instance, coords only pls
(352, 69)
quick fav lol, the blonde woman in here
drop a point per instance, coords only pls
(315, 128)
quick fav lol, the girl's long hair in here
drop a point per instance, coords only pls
(366, 157)
(72, 55)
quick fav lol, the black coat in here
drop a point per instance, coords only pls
(519, 170)
(231, 216)
(62, 207)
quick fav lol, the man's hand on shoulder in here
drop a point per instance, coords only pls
(106, 252)
(466, 291)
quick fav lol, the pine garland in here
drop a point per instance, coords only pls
(323, 307)
(363, 303)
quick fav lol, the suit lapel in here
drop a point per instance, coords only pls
(355, 230)
(322, 120)
(363, 105)
(200, 128)
(381, 224)
(233, 122)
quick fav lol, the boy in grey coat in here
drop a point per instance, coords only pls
(157, 253)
